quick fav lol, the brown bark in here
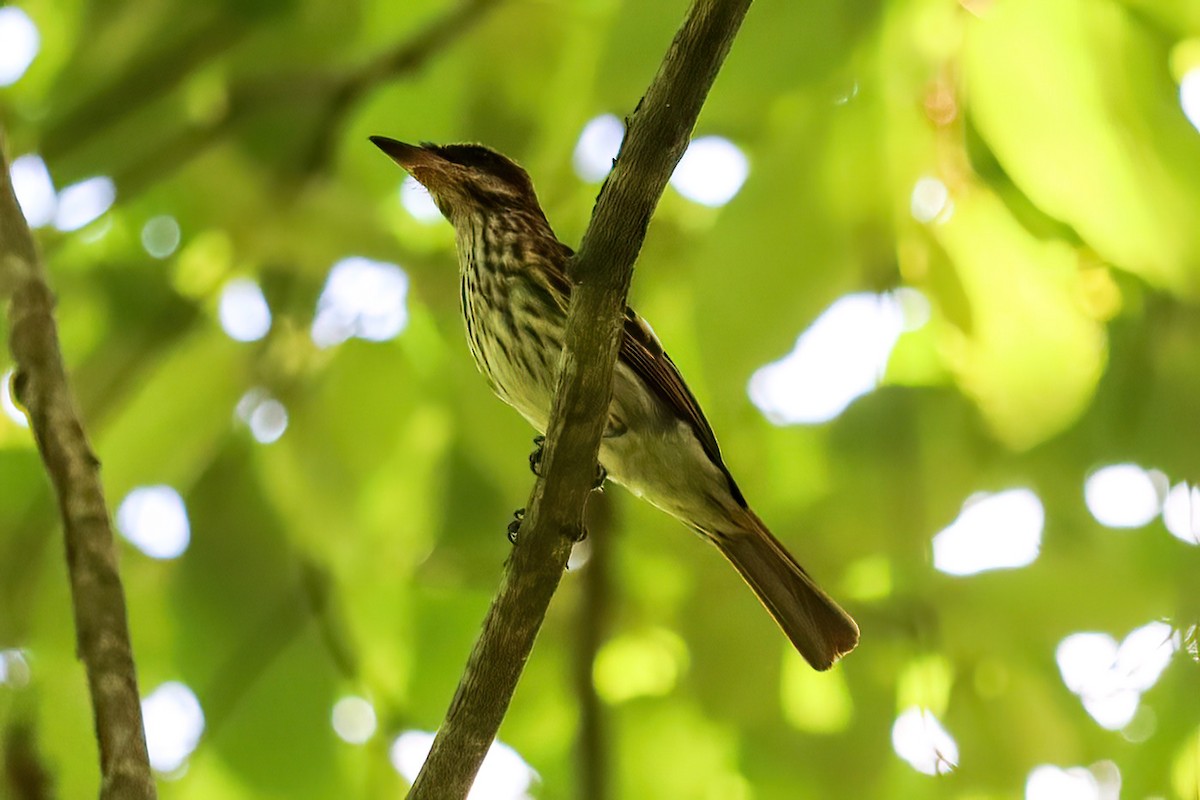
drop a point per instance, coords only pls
(98, 599)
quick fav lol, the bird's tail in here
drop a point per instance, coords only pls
(815, 624)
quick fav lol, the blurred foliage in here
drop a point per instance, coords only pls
(357, 554)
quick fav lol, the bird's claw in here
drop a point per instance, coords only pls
(535, 458)
(515, 525)
(535, 464)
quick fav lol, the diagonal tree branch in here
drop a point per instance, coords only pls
(658, 133)
(98, 599)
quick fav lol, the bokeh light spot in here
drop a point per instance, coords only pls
(1181, 513)
(1145, 653)
(1048, 782)
(841, 356)
(361, 298)
(919, 739)
(1124, 495)
(418, 202)
(250, 401)
(266, 417)
(160, 236)
(34, 189)
(504, 775)
(154, 519)
(243, 311)
(353, 719)
(174, 723)
(268, 421)
(1110, 677)
(930, 200)
(1114, 709)
(711, 171)
(84, 202)
(7, 403)
(14, 668)
(598, 145)
(993, 531)
(1189, 96)
(19, 44)
(1084, 658)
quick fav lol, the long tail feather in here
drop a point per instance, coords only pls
(818, 627)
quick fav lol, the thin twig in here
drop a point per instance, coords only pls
(98, 599)
(658, 133)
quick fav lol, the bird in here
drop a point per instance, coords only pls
(657, 443)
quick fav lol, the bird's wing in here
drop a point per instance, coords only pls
(644, 354)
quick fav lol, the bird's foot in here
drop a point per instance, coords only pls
(518, 519)
(535, 458)
(535, 464)
(515, 525)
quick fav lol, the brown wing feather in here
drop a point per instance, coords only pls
(641, 349)
(644, 354)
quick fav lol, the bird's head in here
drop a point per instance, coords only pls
(464, 179)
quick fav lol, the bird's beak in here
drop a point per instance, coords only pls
(408, 156)
(423, 163)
